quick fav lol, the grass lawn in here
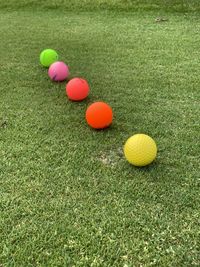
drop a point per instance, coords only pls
(67, 195)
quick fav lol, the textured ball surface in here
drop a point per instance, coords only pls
(140, 150)
(77, 89)
(58, 71)
(99, 115)
(48, 56)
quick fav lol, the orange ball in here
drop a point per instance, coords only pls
(99, 115)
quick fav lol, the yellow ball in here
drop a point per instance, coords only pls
(140, 150)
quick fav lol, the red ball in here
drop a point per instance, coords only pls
(99, 115)
(77, 89)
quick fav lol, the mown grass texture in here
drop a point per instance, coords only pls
(68, 196)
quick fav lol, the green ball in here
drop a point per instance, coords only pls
(48, 56)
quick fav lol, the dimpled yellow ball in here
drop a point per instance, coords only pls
(140, 150)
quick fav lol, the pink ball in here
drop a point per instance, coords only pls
(58, 71)
(77, 89)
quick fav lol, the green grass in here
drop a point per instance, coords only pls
(68, 196)
(167, 5)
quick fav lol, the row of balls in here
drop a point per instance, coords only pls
(139, 149)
